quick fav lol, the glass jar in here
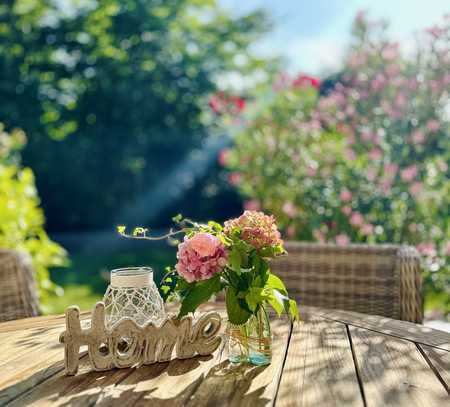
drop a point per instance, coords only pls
(132, 293)
(252, 341)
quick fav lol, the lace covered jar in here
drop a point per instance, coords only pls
(132, 293)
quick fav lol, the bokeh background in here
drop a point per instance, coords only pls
(333, 115)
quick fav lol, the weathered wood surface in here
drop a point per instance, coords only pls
(331, 358)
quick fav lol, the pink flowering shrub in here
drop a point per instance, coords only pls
(364, 159)
(200, 257)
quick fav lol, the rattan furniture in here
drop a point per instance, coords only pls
(379, 279)
(18, 291)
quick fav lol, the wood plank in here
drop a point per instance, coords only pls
(198, 381)
(440, 361)
(401, 329)
(37, 322)
(393, 371)
(319, 369)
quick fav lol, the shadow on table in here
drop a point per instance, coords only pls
(201, 382)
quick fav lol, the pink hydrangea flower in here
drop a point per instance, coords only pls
(256, 228)
(342, 240)
(390, 170)
(375, 154)
(200, 257)
(418, 137)
(345, 195)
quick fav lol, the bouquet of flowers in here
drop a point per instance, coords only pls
(233, 257)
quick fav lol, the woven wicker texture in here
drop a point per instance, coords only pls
(380, 279)
(18, 291)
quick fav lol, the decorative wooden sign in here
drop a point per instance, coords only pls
(128, 344)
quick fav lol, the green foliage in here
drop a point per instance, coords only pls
(21, 219)
(111, 93)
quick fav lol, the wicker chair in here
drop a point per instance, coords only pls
(381, 279)
(18, 291)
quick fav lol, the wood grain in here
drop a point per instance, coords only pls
(401, 329)
(394, 372)
(319, 369)
(440, 361)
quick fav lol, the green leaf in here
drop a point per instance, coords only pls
(198, 294)
(275, 282)
(235, 260)
(276, 302)
(293, 310)
(215, 226)
(178, 218)
(236, 314)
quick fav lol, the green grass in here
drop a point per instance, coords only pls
(85, 280)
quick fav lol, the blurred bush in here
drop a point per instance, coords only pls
(110, 93)
(366, 160)
(21, 219)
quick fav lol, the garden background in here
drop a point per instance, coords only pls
(129, 112)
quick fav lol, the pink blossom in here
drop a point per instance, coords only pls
(289, 209)
(311, 171)
(252, 205)
(433, 125)
(367, 229)
(345, 195)
(342, 240)
(224, 156)
(234, 178)
(390, 52)
(256, 228)
(427, 249)
(418, 136)
(346, 210)
(390, 170)
(200, 257)
(375, 154)
(416, 188)
(409, 173)
(356, 219)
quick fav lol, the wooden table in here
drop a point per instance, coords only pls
(331, 358)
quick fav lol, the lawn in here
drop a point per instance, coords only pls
(86, 279)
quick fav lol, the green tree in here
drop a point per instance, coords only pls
(111, 93)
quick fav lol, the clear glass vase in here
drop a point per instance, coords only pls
(252, 341)
(132, 293)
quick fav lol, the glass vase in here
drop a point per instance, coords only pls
(132, 293)
(252, 341)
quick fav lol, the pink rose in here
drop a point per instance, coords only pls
(427, 249)
(342, 240)
(234, 178)
(204, 244)
(345, 195)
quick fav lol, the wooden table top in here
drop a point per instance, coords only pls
(330, 358)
